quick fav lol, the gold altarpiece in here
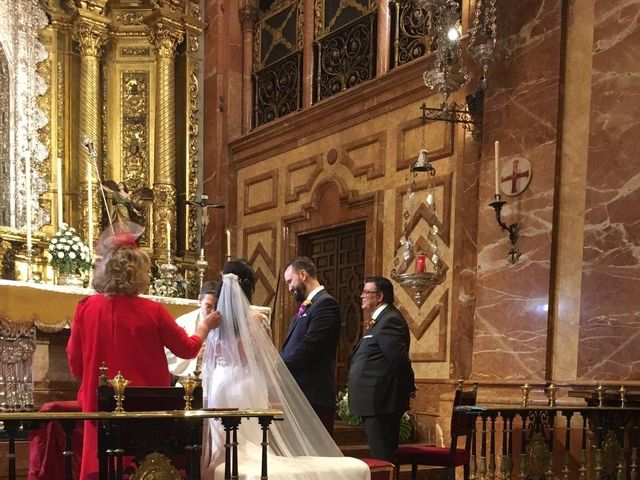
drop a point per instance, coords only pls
(126, 74)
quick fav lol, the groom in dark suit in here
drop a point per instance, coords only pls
(309, 351)
(381, 379)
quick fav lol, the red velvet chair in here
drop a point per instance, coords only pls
(380, 469)
(48, 443)
(462, 425)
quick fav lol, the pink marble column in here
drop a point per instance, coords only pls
(384, 41)
(610, 308)
(307, 54)
(248, 17)
(521, 110)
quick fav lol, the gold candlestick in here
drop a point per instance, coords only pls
(189, 384)
(119, 383)
(600, 392)
(623, 396)
(551, 394)
(525, 394)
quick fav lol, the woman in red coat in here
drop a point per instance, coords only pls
(126, 332)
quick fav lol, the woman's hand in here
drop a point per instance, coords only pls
(211, 321)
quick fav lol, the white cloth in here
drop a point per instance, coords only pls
(181, 366)
(244, 370)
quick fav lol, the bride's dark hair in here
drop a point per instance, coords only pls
(246, 276)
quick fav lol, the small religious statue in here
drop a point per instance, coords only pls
(123, 205)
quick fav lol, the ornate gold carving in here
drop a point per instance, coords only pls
(130, 18)
(165, 36)
(44, 133)
(194, 159)
(155, 466)
(611, 453)
(90, 37)
(5, 133)
(60, 101)
(164, 211)
(194, 11)
(165, 39)
(193, 42)
(95, 6)
(172, 6)
(135, 51)
(135, 93)
(537, 457)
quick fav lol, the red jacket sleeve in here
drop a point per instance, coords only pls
(175, 338)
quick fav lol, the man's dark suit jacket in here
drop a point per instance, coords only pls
(309, 351)
(381, 379)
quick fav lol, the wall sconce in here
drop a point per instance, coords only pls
(514, 254)
(469, 115)
(516, 174)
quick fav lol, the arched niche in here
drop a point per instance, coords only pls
(21, 152)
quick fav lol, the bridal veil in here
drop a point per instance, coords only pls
(243, 369)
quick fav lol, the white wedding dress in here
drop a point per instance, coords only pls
(244, 370)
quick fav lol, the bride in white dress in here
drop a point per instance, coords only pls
(243, 369)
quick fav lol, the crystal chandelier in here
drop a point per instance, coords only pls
(448, 72)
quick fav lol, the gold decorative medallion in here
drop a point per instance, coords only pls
(156, 466)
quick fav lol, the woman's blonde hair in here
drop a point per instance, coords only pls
(125, 272)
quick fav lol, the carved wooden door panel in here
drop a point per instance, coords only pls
(339, 257)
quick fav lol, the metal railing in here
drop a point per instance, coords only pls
(15, 422)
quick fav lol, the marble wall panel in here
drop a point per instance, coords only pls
(610, 311)
(521, 110)
(345, 176)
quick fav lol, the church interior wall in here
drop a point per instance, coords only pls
(543, 318)
(565, 99)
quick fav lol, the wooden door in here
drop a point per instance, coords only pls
(339, 257)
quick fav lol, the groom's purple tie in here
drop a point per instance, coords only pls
(301, 309)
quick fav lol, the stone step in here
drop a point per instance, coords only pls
(357, 450)
(344, 434)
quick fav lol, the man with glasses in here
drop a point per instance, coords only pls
(381, 379)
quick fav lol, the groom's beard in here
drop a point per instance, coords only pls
(301, 293)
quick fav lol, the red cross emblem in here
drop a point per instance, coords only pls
(515, 176)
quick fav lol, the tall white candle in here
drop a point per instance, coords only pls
(497, 166)
(59, 188)
(228, 243)
(27, 193)
(90, 206)
(168, 239)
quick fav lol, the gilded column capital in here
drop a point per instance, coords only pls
(248, 17)
(96, 6)
(90, 37)
(165, 38)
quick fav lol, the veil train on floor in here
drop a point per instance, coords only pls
(243, 369)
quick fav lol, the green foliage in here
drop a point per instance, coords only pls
(69, 255)
(350, 419)
(343, 409)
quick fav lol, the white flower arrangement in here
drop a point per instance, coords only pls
(68, 254)
(176, 289)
